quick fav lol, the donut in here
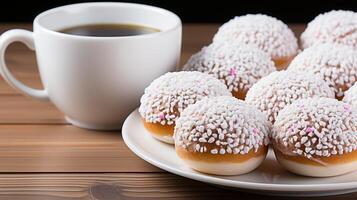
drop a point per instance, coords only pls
(336, 26)
(279, 89)
(267, 33)
(238, 66)
(316, 137)
(222, 135)
(337, 64)
(167, 96)
(351, 96)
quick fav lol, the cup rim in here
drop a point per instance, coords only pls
(178, 22)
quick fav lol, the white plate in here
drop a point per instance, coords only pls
(268, 179)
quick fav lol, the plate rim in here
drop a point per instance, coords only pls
(229, 183)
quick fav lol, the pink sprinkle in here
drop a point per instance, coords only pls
(346, 108)
(301, 106)
(161, 116)
(291, 129)
(309, 129)
(255, 131)
(232, 72)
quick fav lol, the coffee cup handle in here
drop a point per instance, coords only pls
(26, 37)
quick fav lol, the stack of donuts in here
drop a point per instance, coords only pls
(256, 87)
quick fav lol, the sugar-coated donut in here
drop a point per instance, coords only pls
(316, 137)
(222, 135)
(337, 64)
(279, 89)
(238, 66)
(336, 26)
(267, 33)
(167, 96)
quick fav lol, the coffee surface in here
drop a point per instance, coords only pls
(109, 30)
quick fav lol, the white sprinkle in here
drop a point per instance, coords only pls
(197, 147)
(222, 151)
(211, 140)
(304, 139)
(202, 140)
(236, 150)
(214, 151)
(307, 149)
(297, 145)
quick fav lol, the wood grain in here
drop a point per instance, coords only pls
(121, 186)
(65, 148)
(18, 109)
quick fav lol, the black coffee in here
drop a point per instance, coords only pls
(109, 30)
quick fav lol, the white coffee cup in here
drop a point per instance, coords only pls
(97, 81)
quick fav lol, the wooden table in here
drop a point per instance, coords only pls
(44, 157)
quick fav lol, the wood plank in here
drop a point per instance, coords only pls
(18, 109)
(121, 186)
(65, 148)
(106, 187)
